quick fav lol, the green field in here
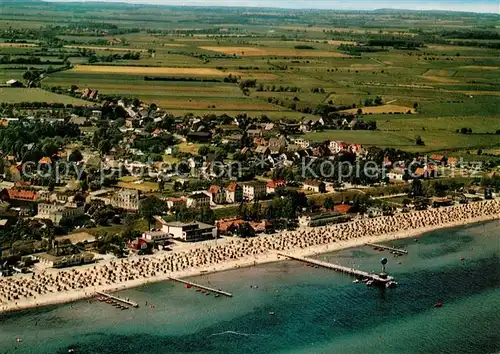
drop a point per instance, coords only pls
(453, 77)
(15, 95)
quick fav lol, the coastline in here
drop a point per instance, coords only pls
(268, 257)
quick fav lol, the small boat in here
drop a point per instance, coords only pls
(188, 285)
(217, 295)
(271, 313)
(391, 284)
(438, 304)
(207, 293)
(355, 281)
(369, 283)
(19, 340)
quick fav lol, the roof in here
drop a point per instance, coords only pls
(342, 208)
(45, 160)
(22, 194)
(310, 182)
(198, 196)
(224, 225)
(275, 183)
(232, 187)
(214, 189)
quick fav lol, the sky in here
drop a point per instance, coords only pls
(491, 6)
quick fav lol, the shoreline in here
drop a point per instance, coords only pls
(51, 299)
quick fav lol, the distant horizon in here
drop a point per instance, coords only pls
(480, 6)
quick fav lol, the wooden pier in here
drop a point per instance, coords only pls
(351, 271)
(203, 287)
(127, 302)
(387, 248)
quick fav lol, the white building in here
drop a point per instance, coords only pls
(127, 199)
(190, 232)
(56, 212)
(254, 190)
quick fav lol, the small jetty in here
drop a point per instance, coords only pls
(376, 278)
(124, 301)
(203, 287)
(393, 250)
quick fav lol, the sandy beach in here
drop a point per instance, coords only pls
(54, 286)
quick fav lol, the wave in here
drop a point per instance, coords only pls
(236, 334)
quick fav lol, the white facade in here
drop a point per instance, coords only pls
(190, 232)
(254, 191)
(127, 199)
(57, 212)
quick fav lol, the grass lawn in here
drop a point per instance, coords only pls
(15, 95)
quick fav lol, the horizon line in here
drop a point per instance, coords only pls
(197, 4)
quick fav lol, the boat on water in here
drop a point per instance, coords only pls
(369, 283)
(355, 281)
(391, 284)
(438, 304)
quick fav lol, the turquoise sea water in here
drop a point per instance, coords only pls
(316, 310)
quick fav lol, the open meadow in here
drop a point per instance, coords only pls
(431, 80)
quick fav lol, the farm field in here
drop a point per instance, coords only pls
(298, 62)
(15, 95)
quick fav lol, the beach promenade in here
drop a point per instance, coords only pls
(63, 285)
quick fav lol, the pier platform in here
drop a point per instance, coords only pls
(388, 248)
(203, 287)
(351, 271)
(124, 301)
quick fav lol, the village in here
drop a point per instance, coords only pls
(124, 177)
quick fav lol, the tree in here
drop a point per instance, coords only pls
(149, 208)
(419, 141)
(75, 156)
(329, 204)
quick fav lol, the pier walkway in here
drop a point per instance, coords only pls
(203, 287)
(351, 271)
(387, 248)
(127, 302)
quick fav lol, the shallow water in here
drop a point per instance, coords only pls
(316, 310)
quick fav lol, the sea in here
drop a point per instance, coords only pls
(289, 307)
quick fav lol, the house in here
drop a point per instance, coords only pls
(337, 146)
(277, 145)
(217, 194)
(315, 186)
(260, 226)
(57, 212)
(139, 244)
(198, 200)
(199, 137)
(132, 123)
(176, 203)
(303, 143)
(320, 219)
(452, 161)
(254, 133)
(254, 190)
(273, 185)
(78, 120)
(22, 195)
(262, 150)
(228, 226)
(127, 199)
(396, 174)
(234, 193)
(155, 236)
(428, 171)
(14, 83)
(190, 232)
(342, 208)
(356, 149)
